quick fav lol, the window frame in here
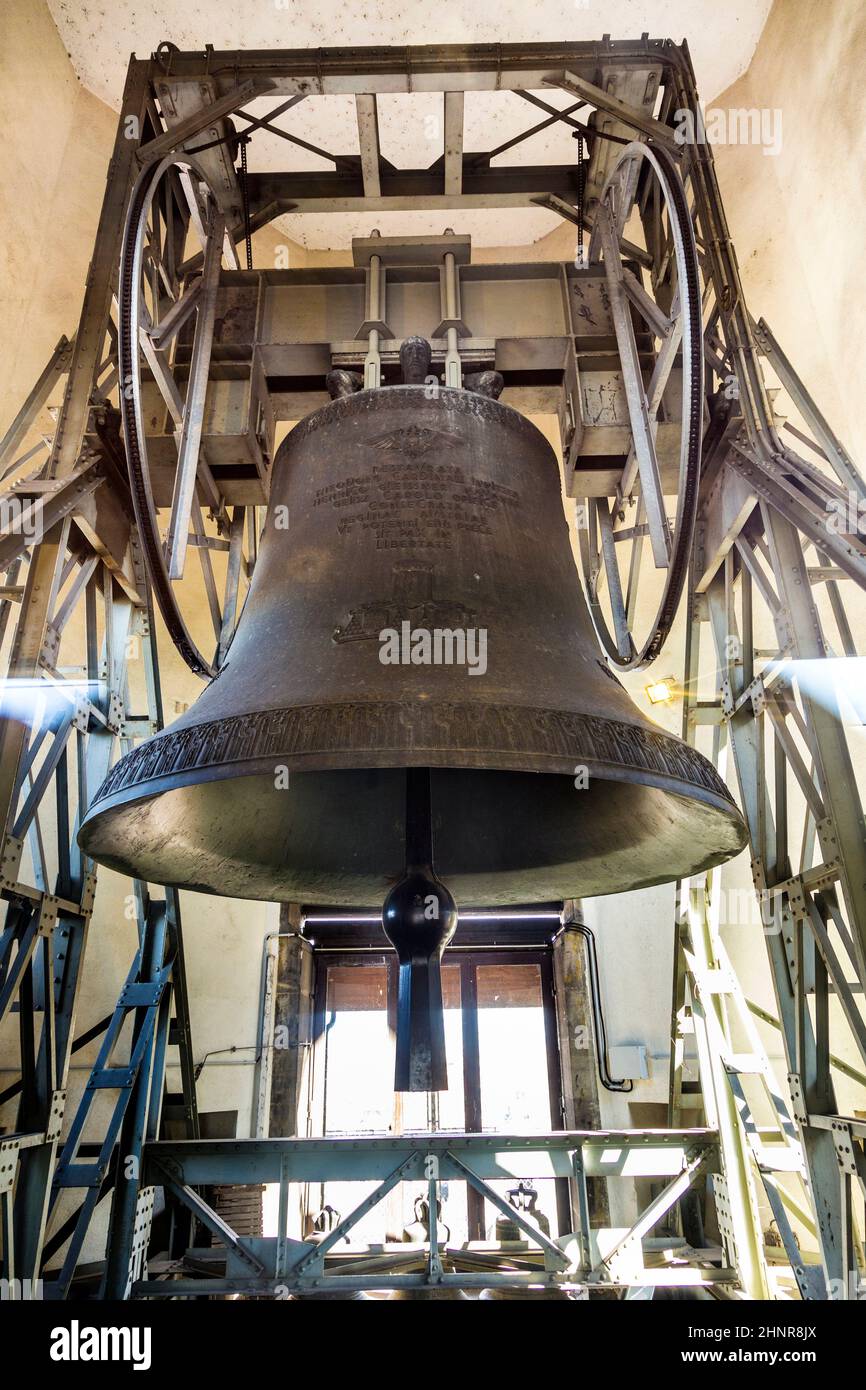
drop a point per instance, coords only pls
(469, 960)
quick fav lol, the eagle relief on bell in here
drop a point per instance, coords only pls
(421, 519)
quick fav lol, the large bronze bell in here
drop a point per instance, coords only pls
(397, 514)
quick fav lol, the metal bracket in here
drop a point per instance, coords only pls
(141, 1228)
(88, 894)
(48, 909)
(9, 1150)
(10, 862)
(724, 1217)
(843, 1143)
(798, 1103)
(115, 713)
(55, 1116)
(81, 717)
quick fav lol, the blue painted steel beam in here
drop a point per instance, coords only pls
(605, 1153)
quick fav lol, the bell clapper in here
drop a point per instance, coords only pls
(419, 918)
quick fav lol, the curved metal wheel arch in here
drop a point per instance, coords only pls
(135, 442)
(685, 251)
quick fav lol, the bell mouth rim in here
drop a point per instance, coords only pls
(565, 742)
(155, 787)
(486, 408)
(135, 842)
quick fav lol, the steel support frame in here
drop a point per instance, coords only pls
(43, 942)
(792, 495)
(280, 1266)
(805, 929)
(72, 566)
(763, 506)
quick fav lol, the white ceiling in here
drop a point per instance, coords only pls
(99, 37)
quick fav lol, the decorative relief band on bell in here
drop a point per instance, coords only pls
(386, 400)
(382, 727)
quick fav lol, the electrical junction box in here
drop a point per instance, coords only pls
(628, 1063)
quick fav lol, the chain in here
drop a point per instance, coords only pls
(580, 182)
(245, 195)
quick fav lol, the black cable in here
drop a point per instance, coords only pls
(609, 1083)
(212, 144)
(218, 1051)
(587, 132)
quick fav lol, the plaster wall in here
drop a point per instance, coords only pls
(53, 176)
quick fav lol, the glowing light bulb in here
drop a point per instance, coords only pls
(661, 692)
